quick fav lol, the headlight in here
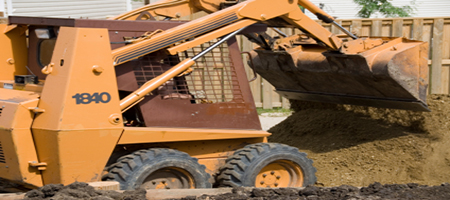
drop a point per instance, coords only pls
(43, 33)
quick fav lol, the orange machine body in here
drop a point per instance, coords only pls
(109, 90)
(48, 131)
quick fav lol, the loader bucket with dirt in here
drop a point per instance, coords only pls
(391, 75)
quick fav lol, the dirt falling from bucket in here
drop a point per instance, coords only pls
(357, 146)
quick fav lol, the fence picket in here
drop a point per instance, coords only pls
(417, 29)
(376, 28)
(397, 28)
(436, 57)
(446, 56)
(334, 29)
(267, 95)
(356, 27)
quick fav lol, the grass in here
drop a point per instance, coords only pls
(274, 110)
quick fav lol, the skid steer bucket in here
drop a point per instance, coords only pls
(392, 75)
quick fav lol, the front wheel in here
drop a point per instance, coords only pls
(158, 168)
(267, 165)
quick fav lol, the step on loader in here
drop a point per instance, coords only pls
(157, 103)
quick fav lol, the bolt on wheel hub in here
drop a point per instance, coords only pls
(280, 174)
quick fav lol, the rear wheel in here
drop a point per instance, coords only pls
(158, 169)
(267, 165)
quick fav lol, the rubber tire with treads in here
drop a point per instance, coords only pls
(131, 170)
(245, 164)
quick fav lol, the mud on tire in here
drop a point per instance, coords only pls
(267, 165)
(151, 168)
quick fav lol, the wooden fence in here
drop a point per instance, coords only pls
(436, 31)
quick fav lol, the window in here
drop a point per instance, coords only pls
(45, 51)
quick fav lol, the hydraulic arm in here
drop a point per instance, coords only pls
(207, 28)
(223, 22)
(381, 72)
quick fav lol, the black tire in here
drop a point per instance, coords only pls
(150, 168)
(257, 161)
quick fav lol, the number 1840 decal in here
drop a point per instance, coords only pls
(86, 98)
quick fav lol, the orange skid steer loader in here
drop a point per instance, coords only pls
(157, 103)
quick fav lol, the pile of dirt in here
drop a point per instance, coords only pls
(10, 187)
(355, 145)
(372, 192)
(79, 190)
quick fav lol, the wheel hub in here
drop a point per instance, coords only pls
(168, 178)
(280, 174)
(271, 179)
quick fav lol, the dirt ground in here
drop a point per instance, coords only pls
(358, 145)
(372, 192)
(79, 190)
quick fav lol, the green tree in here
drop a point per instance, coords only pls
(384, 7)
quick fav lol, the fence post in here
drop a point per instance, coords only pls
(436, 57)
(417, 29)
(377, 25)
(267, 95)
(397, 28)
(356, 27)
(334, 29)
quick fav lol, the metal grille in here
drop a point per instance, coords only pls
(2, 156)
(213, 79)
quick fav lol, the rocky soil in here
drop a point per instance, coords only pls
(372, 192)
(79, 190)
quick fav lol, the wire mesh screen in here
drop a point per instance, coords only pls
(213, 79)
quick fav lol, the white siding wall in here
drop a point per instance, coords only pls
(2, 8)
(342, 9)
(137, 4)
(430, 8)
(5, 7)
(98, 9)
(347, 9)
(92, 9)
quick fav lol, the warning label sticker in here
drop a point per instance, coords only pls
(8, 85)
